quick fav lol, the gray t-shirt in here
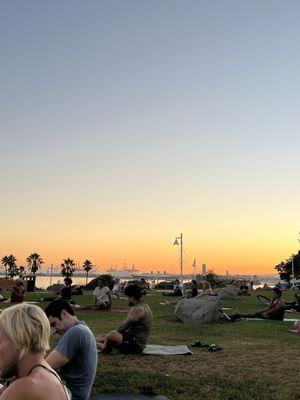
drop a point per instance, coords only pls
(79, 346)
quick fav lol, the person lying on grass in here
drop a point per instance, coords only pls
(132, 334)
(275, 310)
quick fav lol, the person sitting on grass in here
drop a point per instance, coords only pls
(244, 289)
(17, 292)
(115, 293)
(102, 295)
(24, 339)
(297, 298)
(193, 291)
(143, 286)
(177, 290)
(294, 305)
(296, 329)
(75, 355)
(132, 334)
(65, 293)
(275, 310)
(206, 289)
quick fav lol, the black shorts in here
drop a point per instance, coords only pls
(129, 344)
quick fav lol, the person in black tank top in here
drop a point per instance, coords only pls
(132, 334)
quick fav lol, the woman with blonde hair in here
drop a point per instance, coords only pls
(24, 340)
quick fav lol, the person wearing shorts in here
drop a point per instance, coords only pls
(132, 334)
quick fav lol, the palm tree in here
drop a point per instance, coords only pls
(12, 270)
(21, 271)
(68, 268)
(34, 262)
(87, 266)
(5, 263)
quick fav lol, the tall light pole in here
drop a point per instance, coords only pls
(293, 271)
(293, 267)
(176, 243)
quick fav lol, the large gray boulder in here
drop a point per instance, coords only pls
(198, 310)
(227, 293)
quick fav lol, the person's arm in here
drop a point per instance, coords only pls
(56, 360)
(67, 348)
(20, 389)
(134, 315)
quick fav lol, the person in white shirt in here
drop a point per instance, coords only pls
(116, 289)
(102, 295)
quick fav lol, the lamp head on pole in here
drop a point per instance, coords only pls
(176, 243)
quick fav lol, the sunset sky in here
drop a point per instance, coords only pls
(125, 123)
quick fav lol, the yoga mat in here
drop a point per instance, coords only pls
(91, 309)
(126, 396)
(158, 350)
(262, 319)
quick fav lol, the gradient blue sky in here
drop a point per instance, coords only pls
(123, 123)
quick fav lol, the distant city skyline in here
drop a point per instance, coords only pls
(125, 123)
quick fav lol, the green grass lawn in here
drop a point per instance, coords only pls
(259, 360)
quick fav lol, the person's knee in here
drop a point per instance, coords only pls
(112, 334)
(114, 337)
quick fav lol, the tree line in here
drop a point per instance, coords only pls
(34, 263)
(285, 268)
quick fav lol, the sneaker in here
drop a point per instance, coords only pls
(214, 347)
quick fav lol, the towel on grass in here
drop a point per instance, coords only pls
(156, 349)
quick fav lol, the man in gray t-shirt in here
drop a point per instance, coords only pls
(75, 356)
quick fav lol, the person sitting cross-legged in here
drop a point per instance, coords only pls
(75, 356)
(24, 339)
(132, 334)
(102, 295)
